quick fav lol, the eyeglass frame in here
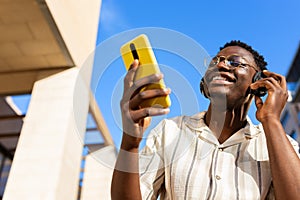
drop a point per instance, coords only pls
(227, 62)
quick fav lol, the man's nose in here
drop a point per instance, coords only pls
(223, 64)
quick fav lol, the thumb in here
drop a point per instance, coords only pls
(258, 102)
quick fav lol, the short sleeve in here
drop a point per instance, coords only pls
(152, 164)
(295, 145)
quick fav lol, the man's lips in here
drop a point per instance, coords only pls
(222, 78)
(220, 82)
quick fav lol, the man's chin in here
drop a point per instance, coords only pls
(220, 93)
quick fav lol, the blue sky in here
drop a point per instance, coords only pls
(271, 27)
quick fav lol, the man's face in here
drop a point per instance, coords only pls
(231, 82)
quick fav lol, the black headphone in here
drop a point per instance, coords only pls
(262, 91)
(202, 88)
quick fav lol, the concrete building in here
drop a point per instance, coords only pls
(44, 45)
(291, 114)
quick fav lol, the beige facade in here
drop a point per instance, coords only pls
(44, 46)
(95, 172)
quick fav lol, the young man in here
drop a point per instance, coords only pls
(217, 154)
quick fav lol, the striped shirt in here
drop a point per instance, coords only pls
(183, 159)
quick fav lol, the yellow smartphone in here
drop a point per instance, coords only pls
(140, 48)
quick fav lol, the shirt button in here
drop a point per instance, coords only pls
(221, 149)
(218, 177)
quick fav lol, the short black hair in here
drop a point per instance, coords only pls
(259, 59)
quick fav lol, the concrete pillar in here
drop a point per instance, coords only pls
(47, 160)
(98, 174)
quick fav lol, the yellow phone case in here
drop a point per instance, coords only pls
(140, 48)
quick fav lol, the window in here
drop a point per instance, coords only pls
(285, 119)
(5, 164)
(294, 135)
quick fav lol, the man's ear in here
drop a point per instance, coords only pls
(203, 88)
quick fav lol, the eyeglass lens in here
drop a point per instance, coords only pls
(233, 60)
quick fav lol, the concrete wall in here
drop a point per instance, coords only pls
(47, 160)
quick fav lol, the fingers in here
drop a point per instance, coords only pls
(128, 80)
(258, 102)
(148, 94)
(134, 64)
(133, 97)
(132, 117)
(277, 96)
(271, 82)
(135, 86)
(137, 115)
(279, 78)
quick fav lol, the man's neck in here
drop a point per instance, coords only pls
(225, 122)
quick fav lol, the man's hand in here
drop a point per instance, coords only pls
(284, 161)
(276, 99)
(125, 181)
(134, 118)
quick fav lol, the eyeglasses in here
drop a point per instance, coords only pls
(233, 61)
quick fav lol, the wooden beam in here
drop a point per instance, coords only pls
(99, 120)
(9, 135)
(11, 117)
(6, 152)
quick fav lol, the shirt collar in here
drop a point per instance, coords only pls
(196, 123)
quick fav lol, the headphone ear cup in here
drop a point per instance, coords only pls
(260, 91)
(256, 77)
(202, 88)
(259, 75)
